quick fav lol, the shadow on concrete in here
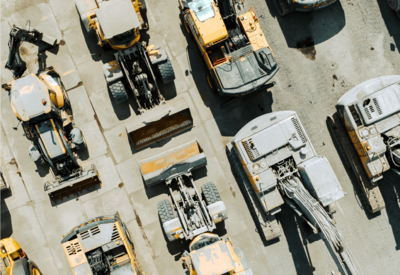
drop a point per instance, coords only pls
(96, 52)
(6, 224)
(42, 168)
(232, 117)
(55, 201)
(392, 24)
(177, 247)
(304, 30)
(358, 191)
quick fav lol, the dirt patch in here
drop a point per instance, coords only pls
(121, 185)
(233, 192)
(334, 77)
(307, 48)
(23, 50)
(62, 42)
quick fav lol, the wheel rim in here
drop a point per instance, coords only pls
(35, 271)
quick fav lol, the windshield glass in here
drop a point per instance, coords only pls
(203, 9)
(124, 38)
(204, 241)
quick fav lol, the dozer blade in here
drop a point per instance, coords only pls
(81, 181)
(172, 163)
(160, 124)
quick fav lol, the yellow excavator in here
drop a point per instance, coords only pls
(14, 261)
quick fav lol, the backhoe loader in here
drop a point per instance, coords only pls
(211, 255)
(101, 246)
(14, 261)
(118, 23)
(287, 6)
(191, 213)
(370, 114)
(41, 104)
(234, 48)
(277, 164)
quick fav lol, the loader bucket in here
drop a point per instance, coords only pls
(167, 122)
(172, 163)
(76, 185)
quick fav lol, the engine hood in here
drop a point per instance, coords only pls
(27, 97)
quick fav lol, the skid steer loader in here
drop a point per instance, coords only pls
(287, 6)
(277, 163)
(42, 106)
(237, 55)
(118, 23)
(192, 213)
(395, 5)
(101, 246)
(370, 114)
(14, 261)
(211, 255)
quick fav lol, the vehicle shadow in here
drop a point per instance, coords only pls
(6, 224)
(232, 117)
(304, 30)
(392, 24)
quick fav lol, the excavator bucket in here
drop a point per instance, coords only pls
(75, 185)
(160, 123)
(172, 163)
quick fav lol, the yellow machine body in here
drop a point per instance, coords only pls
(10, 251)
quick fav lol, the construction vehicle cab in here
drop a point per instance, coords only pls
(232, 43)
(14, 261)
(211, 255)
(40, 102)
(101, 245)
(286, 6)
(189, 212)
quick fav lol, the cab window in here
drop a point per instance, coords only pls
(6, 262)
(203, 242)
(203, 9)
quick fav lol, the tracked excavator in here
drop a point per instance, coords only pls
(42, 106)
(370, 114)
(118, 23)
(189, 212)
(276, 164)
(235, 50)
(211, 255)
(101, 246)
(14, 261)
(287, 6)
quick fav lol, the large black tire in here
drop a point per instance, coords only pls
(393, 4)
(165, 211)
(34, 269)
(118, 91)
(166, 71)
(211, 193)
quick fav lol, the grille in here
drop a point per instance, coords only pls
(74, 248)
(299, 130)
(95, 230)
(261, 71)
(115, 234)
(378, 108)
(91, 232)
(85, 234)
(368, 113)
(251, 149)
(371, 108)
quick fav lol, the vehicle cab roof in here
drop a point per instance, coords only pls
(117, 17)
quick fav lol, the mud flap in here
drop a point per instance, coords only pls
(172, 163)
(160, 124)
(82, 180)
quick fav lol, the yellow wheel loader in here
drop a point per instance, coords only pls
(276, 164)
(101, 246)
(40, 102)
(188, 213)
(211, 255)
(118, 23)
(14, 261)
(370, 114)
(238, 57)
(287, 6)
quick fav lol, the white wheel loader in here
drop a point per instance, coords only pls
(277, 164)
(191, 212)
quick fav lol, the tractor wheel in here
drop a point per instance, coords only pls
(393, 4)
(165, 211)
(211, 193)
(34, 269)
(166, 72)
(118, 91)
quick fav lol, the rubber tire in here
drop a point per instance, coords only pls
(167, 73)
(393, 4)
(210, 193)
(165, 211)
(32, 266)
(118, 91)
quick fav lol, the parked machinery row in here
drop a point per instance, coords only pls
(274, 159)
